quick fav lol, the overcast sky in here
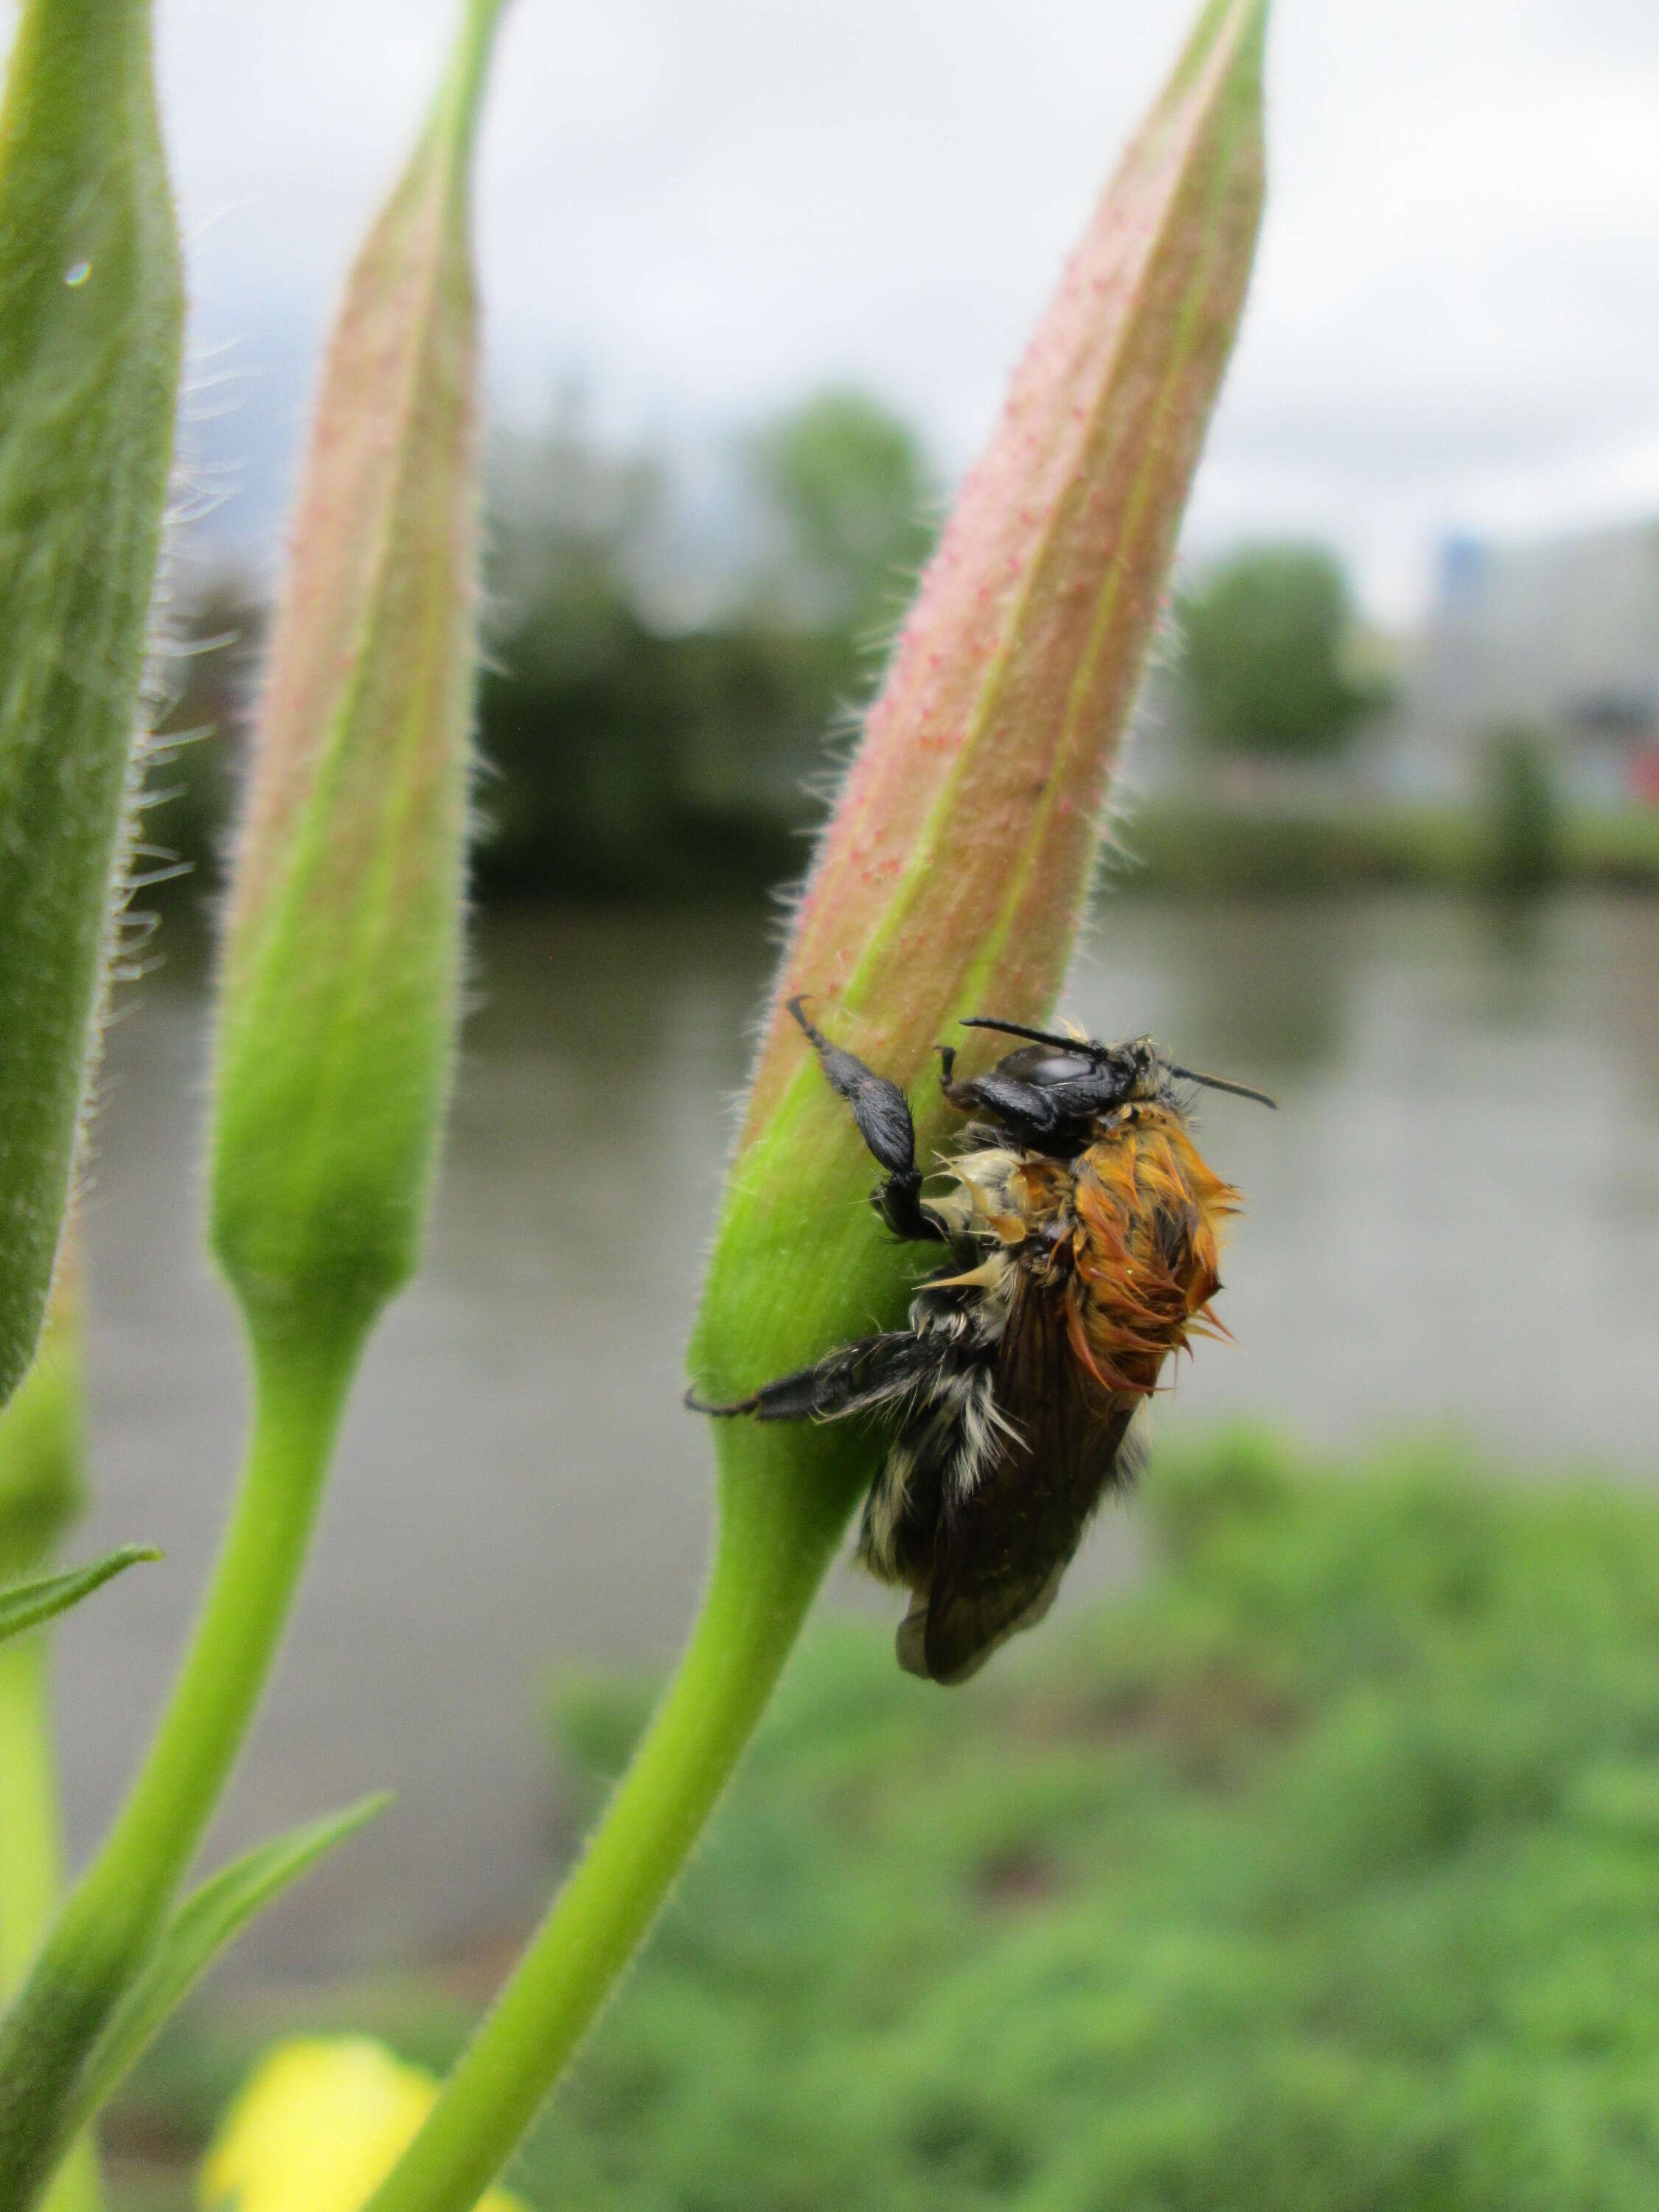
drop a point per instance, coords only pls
(703, 208)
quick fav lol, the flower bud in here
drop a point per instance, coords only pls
(342, 962)
(90, 313)
(319, 2124)
(951, 877)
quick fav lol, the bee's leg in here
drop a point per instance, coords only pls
(884, 1121)
(856, 1379)
(1026, 1110)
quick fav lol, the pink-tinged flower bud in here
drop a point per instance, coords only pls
(951, 877)
(343, 958)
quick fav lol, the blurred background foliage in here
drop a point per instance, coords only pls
(1317, 1871)
(1523, 809)
(1266, 654)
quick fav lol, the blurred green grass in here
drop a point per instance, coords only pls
(1170, 848)
(1318, 1871)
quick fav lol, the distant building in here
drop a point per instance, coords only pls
(1561, 636)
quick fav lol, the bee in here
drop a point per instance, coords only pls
(1084, 1231)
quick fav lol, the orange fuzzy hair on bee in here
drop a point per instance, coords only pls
(1148, 1215)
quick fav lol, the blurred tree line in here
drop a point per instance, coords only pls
(675, 653)
(1269, 665)
(665, 665)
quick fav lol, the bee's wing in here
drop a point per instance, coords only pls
(999, 1557)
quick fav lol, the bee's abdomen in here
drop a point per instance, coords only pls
(1149, 1215)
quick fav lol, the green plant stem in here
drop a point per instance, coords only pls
(462, 101)
(116, 1910)
(777, 1536)
(31, 1857)
(29, 1828)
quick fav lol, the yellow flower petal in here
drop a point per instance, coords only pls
(318, 2126)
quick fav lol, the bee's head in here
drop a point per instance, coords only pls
(1052, 1089)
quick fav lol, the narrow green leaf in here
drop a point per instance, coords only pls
(205, 1923)
(91, 308)
(26, 1605)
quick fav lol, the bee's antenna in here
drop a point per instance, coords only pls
(1221, 1082)
(1019, 1030)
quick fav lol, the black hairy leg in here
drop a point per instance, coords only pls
(856, 1379)
(883, 1115)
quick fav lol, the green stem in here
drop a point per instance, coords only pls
(29, 1828)
(462, 101)
(31, 1858)
(116, 1909)
(776, 1540)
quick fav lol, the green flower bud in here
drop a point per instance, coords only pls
(90, 312)
(952, 878)
(342, 965)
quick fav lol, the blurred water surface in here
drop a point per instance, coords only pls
(1453, 1221)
